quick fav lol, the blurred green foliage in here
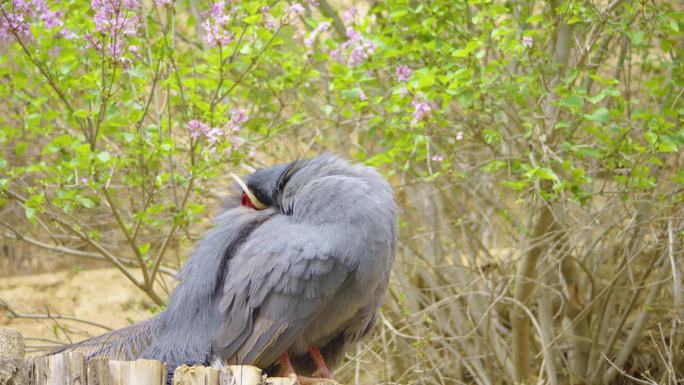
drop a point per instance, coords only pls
(561, 104)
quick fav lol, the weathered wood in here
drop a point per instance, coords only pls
(279, 381)
(195, 375)
(98, 371)
(139, 372)
(13, 372)
(60, 369)
(11, 344)
(240, 375)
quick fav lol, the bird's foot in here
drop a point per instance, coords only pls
(286, 365)
(318, 359)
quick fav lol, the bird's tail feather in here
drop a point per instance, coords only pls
(123, 344)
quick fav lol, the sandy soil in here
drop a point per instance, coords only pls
(102, 296)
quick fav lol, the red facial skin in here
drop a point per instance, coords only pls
(245, 201)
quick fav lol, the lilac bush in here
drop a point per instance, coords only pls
(535, 148)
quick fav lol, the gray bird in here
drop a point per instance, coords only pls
(294, 271)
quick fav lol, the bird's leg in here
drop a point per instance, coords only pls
(286, 365)
(317, 357)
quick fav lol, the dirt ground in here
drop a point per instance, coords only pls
(102, 296)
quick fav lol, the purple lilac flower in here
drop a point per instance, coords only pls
(323, 26)
(213, 134)
(297, 9)
(438, 158)
(16, 17)
(197, 128)
(403, 73)
(354, 51)
(237, 119)
(362, 95)
(349, 14)
(421, 108)
(527, 41)
(92, 42)
(215, 25)
(114, 20)
(116, 17)
(313, 3)
(162, 3)
(459, 135)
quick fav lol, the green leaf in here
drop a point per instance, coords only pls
(546, 173)
(253, 19)
(467, 50)
(85, 202)
(104, 156)
(600, 115)
(574, 101)
(81, 113)
(144, 247)
(30, 213)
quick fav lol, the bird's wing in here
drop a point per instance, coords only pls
(276, 285)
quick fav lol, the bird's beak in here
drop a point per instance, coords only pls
(250, 194)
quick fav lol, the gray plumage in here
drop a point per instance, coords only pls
(311, 269)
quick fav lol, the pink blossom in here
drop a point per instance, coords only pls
(437, 158)
(237, 119)
(297, 9)
(213, 134)
(116, 17)
(16, 17)
(114, 20)
(215, 25)
(355, 50)
(197, 128)
(362, 95)
(459, 135)
(162, 3)
(527, 41)
(403, 73)
(349, 14)
(92, 42)
(421, 108)
(323, 26)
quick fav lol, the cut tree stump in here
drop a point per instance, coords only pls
(195, 375)
(138, 372)
(60, 369)
(71, 368)
(13, 369)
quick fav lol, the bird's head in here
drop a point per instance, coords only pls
(313, 184)
(264, 187)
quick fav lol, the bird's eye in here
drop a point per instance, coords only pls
(245, 201)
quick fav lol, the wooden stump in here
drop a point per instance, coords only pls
(279, 381)
(195, 375)
(139, 372)
(240, 375)
(13, 370)
(98, 371)
(60, 369)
